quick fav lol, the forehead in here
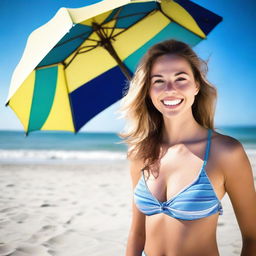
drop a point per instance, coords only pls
(170, 63)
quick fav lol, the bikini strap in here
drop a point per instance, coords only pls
(207, 147)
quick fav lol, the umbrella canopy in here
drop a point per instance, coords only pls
(78, 63)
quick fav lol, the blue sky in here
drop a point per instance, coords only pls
(230, 48)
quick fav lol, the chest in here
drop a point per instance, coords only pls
(178, 169)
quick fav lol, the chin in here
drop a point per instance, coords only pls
(172, 114)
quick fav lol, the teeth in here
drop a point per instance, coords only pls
(171, 102)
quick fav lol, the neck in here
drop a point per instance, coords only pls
(181, 129)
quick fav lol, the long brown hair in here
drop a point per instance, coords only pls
(143, 129)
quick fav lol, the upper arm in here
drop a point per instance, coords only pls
(239, 184)
(138, 218)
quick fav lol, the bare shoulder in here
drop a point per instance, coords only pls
(229, 151)
(226, 145)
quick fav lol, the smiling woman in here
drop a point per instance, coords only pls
(170, 107)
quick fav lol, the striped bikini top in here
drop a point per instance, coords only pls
(195, 201)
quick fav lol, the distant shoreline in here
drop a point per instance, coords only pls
(253, 126)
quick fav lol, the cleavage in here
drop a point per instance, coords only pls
(174, 172)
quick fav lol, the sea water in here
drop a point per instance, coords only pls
(45, 146)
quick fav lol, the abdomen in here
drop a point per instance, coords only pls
(167, 236)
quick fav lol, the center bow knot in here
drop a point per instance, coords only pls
(163, 205)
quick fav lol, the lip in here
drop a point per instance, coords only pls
(171, 98)
(172, 106)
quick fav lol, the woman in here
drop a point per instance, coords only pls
(189, 166)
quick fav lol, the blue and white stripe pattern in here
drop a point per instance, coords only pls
(195, 201)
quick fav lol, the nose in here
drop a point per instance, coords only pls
(170, 86)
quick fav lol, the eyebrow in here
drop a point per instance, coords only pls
(176, 74)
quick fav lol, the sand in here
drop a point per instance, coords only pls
(78, 209)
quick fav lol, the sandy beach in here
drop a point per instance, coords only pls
(77, 209)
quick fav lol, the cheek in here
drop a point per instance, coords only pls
(154, 96)
(188, 89)
(155, 92)
(184, 86)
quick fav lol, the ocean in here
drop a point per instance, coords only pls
(45, 146)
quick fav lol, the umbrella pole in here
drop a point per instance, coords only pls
(109, 47)
(106, 43)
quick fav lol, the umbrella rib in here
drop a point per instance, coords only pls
(134, 24)
(78, 52)
(115, 16)
(77, 49)
(68, 63)
(92, 47)
(129, 15)
(118, 11)
(113, 28)
(105, 35)
(73, 38)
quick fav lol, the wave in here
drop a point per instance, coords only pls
(41, 155)
(15, 156)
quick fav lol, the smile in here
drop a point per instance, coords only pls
(172, 103)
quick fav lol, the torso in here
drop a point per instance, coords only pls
(178, 167)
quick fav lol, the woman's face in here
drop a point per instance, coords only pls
(172, 85)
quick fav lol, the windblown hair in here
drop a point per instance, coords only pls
(143, 131)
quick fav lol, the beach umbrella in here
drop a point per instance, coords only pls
(80, 62)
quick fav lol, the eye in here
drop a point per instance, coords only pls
(158, 81)
(180, 79)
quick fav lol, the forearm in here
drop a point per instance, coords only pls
(249, 248)
(135, 245)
